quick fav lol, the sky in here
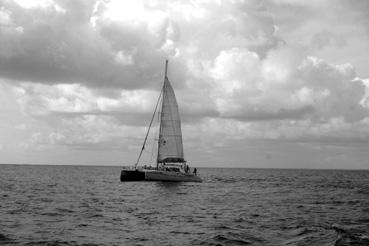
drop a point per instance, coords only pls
(259, 83)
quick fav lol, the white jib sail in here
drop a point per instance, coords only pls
(170, 147)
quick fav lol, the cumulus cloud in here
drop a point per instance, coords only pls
(74, 100)
(246, 87)
(122, 44)
(44, 44)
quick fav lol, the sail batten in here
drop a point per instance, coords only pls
(170, 146)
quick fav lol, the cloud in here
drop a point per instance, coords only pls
(325, 38)
(74, 99)
(89, 42)
(63, 47)
(238, 85)
(284, 85)
(343, 93)
(88, 73)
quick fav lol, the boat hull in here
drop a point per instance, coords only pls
(157, 175)
(132, 175)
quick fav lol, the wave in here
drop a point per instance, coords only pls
(350, 236)
(231, 238)
(233, 207)
(58, 243)
(4, 239)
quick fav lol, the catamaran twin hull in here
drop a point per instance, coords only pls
(157, 175)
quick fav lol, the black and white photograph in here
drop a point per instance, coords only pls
(184, 122)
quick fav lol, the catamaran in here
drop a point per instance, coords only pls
(170, 162)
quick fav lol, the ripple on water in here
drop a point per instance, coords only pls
(4, 239)
(88, 206)
(229, 238)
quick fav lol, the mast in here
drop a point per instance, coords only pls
(166, 69)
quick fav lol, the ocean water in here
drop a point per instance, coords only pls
(80, 205)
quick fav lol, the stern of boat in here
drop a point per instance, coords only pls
(132, 175)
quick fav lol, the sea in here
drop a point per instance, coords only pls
(88, 205)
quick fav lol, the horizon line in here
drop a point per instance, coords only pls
(225, 167)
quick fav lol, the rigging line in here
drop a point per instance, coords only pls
(153, 146)
(147, 134)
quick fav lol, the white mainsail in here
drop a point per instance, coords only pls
(170, 147)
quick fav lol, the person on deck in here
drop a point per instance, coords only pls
(195, 171)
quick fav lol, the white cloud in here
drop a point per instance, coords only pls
(5, 17)
(34, 3)
(39, 99)
(240, 69)
(123, 58)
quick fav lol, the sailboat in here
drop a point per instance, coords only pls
(170, 162)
